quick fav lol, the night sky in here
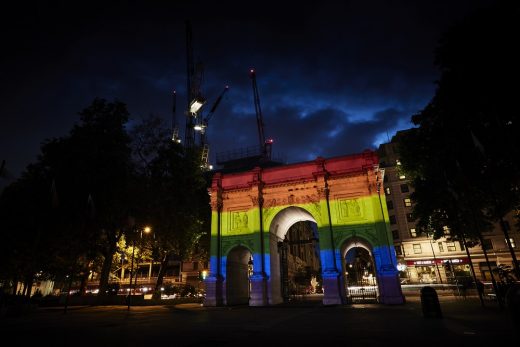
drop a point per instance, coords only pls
(334, 77)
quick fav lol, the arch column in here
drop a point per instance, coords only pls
(330, 275)
(259, 278)
(390, 291)
(214, 283)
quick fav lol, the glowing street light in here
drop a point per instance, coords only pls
(147, 230)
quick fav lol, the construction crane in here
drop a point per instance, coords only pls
(203, 125)
(175, 126)
(265, 145)
(193, 84)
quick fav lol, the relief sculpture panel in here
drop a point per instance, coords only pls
(350, 209)
(238, 223)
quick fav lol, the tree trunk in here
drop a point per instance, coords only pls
(107, 265)
(83, 284)
(15, 284)
(504, 228)
(28, 285)
(160, 277)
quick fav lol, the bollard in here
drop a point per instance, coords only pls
(431, 307)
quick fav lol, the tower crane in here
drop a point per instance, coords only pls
(265, 145)
(175, 126)
(193, 84)
(202, 126)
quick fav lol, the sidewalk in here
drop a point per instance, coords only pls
(465, 322)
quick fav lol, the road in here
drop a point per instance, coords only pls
(465, 323)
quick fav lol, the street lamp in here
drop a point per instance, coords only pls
(147, 230)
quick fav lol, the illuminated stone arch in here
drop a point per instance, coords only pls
(255, 209)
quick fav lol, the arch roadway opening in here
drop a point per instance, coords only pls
(295, 259)
(239, 266)
(359, 271)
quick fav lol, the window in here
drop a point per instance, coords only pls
(398, 250)
(404, 188)
(417, 248)
(409, 217)
(451, 246)
(390, 205)
(407, 202)
(441, 247)
(387, 190)
(392, 220)
(413, 232)
(395, 234)
(461, 244)
(487, 244)
(512, 240)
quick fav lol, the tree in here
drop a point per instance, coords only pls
(174, 197)
(28, 229)
(93, 171)
(464, 155)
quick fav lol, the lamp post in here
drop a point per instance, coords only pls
(147, 230)
(435, 259)
(131, 274)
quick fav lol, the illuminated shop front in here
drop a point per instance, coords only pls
(439, 270)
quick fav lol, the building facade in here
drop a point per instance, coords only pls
(422, 259)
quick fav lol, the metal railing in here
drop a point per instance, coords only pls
(364, 294)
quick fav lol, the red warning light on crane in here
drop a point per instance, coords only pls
(269, 141)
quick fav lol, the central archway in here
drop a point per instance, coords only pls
(298, 245)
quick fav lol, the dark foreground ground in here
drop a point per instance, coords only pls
(465, 323)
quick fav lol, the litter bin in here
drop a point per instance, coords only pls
(430, 303)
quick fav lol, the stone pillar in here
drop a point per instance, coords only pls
(331, 288)
(390, 292)
(214, 283)
(258, 295)
(214, 292)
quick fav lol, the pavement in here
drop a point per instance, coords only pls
(465, 323)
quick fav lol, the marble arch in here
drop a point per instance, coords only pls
(255, 208)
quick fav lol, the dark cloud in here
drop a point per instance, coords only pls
(334, 77)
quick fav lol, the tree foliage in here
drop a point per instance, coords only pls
(174, 194)
(463, 156)
(90, 194)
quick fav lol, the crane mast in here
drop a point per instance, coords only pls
(265, 145)
(203, 125)
(190, 71)
(193, 86)
(175, 126)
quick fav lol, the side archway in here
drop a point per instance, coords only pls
(239, 266)
(359, 270)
